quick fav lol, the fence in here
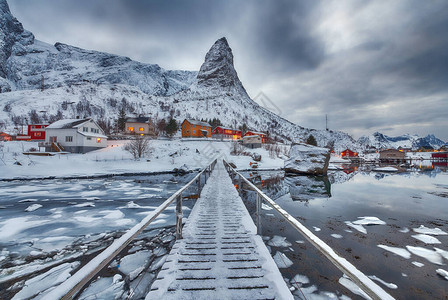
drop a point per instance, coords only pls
(363, 282)
(72, 286)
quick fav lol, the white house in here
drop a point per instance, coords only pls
(74, 135)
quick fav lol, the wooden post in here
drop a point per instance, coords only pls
(239, 184)
(258, 214)
(199, 186)
(179, 216)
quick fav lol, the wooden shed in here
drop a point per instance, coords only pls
(349, 153)
(226, 133)
(392, 156)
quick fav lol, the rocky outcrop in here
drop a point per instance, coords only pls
(218, 71)
(306, 159)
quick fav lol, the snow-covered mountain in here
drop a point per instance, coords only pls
(382, 141)
(44, 82)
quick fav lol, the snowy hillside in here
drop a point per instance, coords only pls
(78, 82)
(382, 141)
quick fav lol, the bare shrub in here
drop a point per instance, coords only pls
(138, 147)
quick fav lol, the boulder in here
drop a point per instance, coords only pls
(306, 159)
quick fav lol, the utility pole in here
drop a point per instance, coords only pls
(326, 122)
(42, 81)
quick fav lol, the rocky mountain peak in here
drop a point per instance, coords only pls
(218, 70)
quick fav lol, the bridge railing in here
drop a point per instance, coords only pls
(72, 286)
(363, 282)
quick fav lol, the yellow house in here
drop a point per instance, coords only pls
(193, 128)
(139, 125)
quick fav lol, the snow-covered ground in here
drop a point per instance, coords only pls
(165, 155)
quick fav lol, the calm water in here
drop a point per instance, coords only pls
(403, 201)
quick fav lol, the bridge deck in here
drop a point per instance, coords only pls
(220, 256)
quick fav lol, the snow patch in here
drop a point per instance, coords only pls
(427, 239)
(432, 231)
(428, 254)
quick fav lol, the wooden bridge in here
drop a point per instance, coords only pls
(218, 254)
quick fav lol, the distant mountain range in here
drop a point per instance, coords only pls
(381, 141)
(43, 82)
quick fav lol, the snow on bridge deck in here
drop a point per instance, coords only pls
(220, 256)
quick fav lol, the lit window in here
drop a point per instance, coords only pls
(37, 133)
(141, 129)
(131, 128)
(98, 140)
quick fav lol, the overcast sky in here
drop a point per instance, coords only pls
(370, 65)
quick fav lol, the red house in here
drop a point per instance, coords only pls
(5, 137)
(264, 137)
(440, 155)
(35, 133)
(349, 153)
(226, 133)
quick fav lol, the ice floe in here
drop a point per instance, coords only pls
(132, 262)
(443, 253)
(104, 288)
(427, 239)
(281, 260)
(336, 236)
(39, 284)
(418, 264)
(369, 221)
(279, 241)
(389, 285)
(358, 224)
(299, 279)
(433, 231)
(404, 230)
(398, 251)
(316, 228)
(10, 228)
(442, 273)
(85, 204)
(351, 286)
(428, 254)
(33, 207)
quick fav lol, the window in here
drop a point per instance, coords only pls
(131, 128)
(142, 129)
(85, 129)
(69, 139)
(98, 140)
(194, 131)
(37, 133)
(92, 130)
(89, 138)
(194, 126)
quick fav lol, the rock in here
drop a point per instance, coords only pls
(306, 159)
(256, 156)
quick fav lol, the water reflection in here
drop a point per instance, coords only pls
(305, 188)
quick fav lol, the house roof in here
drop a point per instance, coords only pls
(91, 134)
(137, 120)
(227, 128)
(67, 123)
(256, 132)
(200, 123)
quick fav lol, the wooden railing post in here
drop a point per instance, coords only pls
(258, 214)
(179, 215)
(199, 187)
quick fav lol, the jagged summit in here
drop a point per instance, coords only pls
(218, 71)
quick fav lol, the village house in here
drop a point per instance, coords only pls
(252, 141)
(264, 137)
(347, 153)
(139, 125)
(193, 128)
(224, 133)
(392, 156)
(36, 132)
(4, 137)
(74, 135)
(439, 155)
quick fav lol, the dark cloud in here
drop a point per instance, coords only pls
(369, 65)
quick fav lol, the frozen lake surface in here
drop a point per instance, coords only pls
(393, 227)
(48, 221)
